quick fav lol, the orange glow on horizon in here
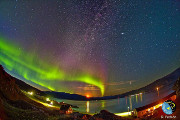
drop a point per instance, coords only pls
(87, 96)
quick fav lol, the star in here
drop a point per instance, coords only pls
(99, 41)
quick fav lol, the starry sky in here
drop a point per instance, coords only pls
(95, 47)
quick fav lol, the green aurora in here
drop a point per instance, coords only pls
(34, 69)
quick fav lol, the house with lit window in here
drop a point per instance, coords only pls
(66, 109)
(150, 108)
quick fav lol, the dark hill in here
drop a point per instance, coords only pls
(14, 104)
(24, 86)
(8, 88)
(62, 95)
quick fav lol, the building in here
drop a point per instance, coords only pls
(150, 108)
(66, 109)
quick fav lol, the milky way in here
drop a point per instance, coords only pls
(96, 47)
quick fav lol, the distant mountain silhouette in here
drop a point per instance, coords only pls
(162, 82)
(24, 86)
(62, 95)
(167, 80)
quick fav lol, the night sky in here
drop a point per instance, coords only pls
(95, 47)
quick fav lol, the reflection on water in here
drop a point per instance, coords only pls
(141, 97)
(118, 100)
(134, 99)
(118, 105)
(126, 100)
(87, 106)
(130, 102)
(157, 91)
(103, 104)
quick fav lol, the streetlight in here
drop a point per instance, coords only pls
(157, 91)
(47, 99)
(30, 93)
(157, 88)
(128, 111)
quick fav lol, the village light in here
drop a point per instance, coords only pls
(30, 93)
(158, 91)
(51, 103)
(47, 99)
(157, 88)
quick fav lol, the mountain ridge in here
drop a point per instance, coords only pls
(170, 78)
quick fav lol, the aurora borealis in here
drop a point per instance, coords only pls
(25, 64)
(96, 47)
